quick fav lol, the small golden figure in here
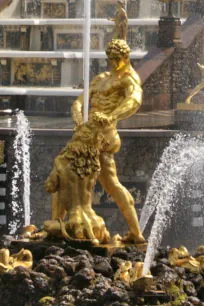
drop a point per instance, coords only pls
(181, 258)
(121, 21)
(133, 276)
(123, 272)
(198, 87)
(23, 258)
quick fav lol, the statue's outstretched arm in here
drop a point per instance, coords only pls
(77, 110)
(132, 101)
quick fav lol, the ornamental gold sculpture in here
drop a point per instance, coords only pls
(133, 276)
(198, 88)
(9, 262)
(121, 21)
(89, 155)
(181, 258)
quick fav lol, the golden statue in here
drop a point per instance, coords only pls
(23, 258)
(121, 21)
(89, 155)
(181, 258)
(198, 87)
(133, 276)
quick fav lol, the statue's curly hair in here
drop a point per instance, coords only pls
(118, 49)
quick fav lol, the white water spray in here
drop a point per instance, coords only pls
(87, 43)
(21, 169)
(182, 153)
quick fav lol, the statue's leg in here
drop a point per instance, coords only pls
(109, 181)
(58, 210)
(83, 223)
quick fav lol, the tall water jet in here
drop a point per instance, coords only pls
(21, 169)
(185, 152)
(159, 178)
(87, 42)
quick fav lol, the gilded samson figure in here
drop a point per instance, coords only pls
(121, 21)
(114, 96)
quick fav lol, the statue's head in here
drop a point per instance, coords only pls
(118, 53)
(121, 3)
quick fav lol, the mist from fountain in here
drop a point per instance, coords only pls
(183, 152)
(21, 171)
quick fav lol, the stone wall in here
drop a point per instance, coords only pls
(169, 74)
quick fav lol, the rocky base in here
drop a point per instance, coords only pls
(69, 276)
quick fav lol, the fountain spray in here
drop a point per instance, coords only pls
(21, 169)
(87, 41)
(182, 153)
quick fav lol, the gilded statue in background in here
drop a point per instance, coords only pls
(198, 87)
(121, 21)
(89, 156)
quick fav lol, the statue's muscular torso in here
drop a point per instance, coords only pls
(107, 92)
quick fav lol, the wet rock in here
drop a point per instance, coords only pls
(162, 253)
(194, 300)
(116, 262)
(180, 271)
(121, 253)
(41, 283)
(83, 278)
(82, 261)
(76, 252)
(54, 250)
(66, 300)
(200, 293)
(163, 272)
(101, 285)
(39, 252)
(189, 288)
(102, 265)
(115, 294)
(164, 261)
(51, 269)
(5, 241)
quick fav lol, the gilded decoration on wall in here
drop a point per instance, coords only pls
(4, 72)
(54, 10)
(2, 148)
(32, 73)
(74, 41)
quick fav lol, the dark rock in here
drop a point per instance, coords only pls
(200, 293)
(76, 252)
(163, 272)
(39, 252)
(121, 253)
(5, 241)
(101, 285)
(115, 294)
(180, 271)
(116, 262)
(189, 288)
(41, 283)
(162, 252)
(164, 261)
(194, 300)
(83, 278)
(54, 250)
(82, 261)
(102, 265)
(51, 269)
(66, 300)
